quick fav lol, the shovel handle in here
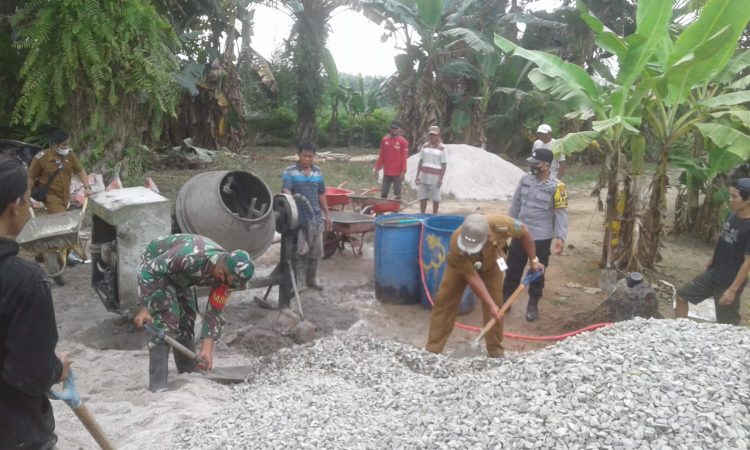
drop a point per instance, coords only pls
(180, 348)
(506, 307)
(70, 396)
(172, 342)
(88, 421)
(530, 276)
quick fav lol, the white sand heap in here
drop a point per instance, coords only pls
(473, 174)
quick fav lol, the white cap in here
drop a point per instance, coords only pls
(544, 128)
(473, 234)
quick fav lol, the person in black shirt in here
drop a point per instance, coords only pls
(726, 273)
(28, 332)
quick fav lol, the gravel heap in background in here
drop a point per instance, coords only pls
(473, 173)
(637, 384)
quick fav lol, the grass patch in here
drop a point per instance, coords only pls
(267, 164)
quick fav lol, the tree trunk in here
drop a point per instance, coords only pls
(613, 164)
(333, 133)
(311, 40)
(653, 218)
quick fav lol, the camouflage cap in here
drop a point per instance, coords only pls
(241, 267)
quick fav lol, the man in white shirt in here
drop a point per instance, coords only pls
(544, 140)
(430, 170)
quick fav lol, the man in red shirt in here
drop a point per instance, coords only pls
(392, 159)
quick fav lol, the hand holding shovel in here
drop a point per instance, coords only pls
(70, 397)
(529, 278)
(155, 332)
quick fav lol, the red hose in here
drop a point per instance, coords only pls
(464, 326)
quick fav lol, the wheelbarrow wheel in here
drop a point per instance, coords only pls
(330, 244)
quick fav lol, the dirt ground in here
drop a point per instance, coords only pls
(111, 359)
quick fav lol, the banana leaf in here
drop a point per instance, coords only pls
(731, 99)
(740, 116)
(653, 19)
(554, 67)
(574, 142)
(727, 138)
(714, 16)
(605, 38)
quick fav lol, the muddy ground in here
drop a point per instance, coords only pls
(111, 359)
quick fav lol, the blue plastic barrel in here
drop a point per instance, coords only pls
(397, 278)
(435, 245)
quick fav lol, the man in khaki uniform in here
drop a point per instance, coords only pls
(44, 165)
(476, 257)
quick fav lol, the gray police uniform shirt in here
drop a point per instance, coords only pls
(534, 205)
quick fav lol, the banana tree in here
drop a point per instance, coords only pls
(654, 71)
(691, 83)
(424, 27)
(719, 102)
(480, 68)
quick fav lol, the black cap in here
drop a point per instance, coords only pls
(540, 155)
(743, 184)
(396, 124)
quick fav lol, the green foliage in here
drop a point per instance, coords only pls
(94, 55)
(275, 127)
(374, 125)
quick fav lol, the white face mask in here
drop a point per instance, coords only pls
(63, 151)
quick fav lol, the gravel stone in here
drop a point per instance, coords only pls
(636, 384)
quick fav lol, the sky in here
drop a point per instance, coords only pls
(354, 41)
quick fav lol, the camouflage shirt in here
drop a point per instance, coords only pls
(180, 261)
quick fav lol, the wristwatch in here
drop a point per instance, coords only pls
(535, 260)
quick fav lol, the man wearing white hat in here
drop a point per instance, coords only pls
(544, 140)
(476, 257)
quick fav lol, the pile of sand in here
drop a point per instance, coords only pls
(473, 174)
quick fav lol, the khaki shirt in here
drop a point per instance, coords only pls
(46, 162)
(501, 228)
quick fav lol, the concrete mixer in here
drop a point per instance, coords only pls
(234, 208)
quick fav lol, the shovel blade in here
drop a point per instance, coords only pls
(229, 375)
(608, 280)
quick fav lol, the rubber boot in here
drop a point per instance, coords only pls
(532, 309)
(311, 272)
(185, 363)
(158, 365)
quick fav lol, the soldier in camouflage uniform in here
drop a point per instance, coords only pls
(170, 267)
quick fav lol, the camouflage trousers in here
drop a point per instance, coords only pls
(174, 310)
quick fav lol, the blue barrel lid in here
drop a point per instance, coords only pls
(399, 220)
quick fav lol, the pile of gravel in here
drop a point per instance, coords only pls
(637, 384)
(473, 173)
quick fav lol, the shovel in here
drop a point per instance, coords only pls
(530, 277)
(222, 375)
(70, 397)
(608, 275)
(465, 350)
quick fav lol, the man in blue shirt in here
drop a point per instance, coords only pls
(305, 179)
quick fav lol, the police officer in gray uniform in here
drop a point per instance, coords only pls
(540, 202)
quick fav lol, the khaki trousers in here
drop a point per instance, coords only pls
(447, 301)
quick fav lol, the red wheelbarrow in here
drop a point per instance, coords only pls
(337, 198)
(348, 227)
